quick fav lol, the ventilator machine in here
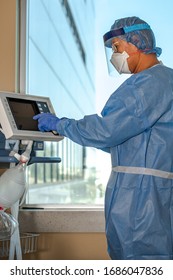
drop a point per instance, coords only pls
(19, 141)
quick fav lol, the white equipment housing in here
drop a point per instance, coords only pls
(16, 116)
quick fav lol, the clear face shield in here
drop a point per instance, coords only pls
(111, 48)
(111, 69)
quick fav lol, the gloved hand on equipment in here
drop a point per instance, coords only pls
(47, 122)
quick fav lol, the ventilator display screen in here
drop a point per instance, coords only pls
(23, 112)
(16, 116)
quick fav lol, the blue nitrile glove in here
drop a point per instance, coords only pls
(46, 121)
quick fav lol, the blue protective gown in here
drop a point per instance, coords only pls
(136, 127)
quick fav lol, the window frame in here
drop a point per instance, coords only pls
(63, 212)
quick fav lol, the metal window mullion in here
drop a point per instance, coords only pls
(23, 45)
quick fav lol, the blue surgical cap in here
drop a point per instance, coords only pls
(136, 31)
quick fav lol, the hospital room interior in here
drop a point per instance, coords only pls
(52, 189)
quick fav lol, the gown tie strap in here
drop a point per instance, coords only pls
(143, 171)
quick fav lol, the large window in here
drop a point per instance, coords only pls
(60, 63)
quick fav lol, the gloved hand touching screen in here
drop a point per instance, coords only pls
(47, 122)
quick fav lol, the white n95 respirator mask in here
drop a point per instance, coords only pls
(119, 61)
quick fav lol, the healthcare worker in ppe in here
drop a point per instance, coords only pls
(136, 128)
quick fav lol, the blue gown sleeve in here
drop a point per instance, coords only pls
(102, 132)
(129, 111)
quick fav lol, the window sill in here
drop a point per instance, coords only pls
(59, 219)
